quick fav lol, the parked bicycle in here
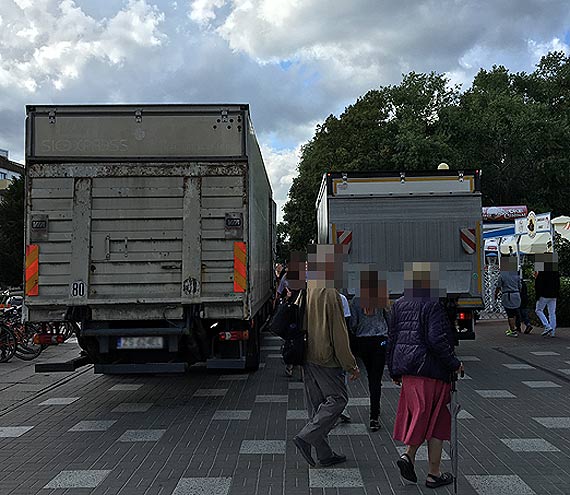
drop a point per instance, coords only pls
(27, 340)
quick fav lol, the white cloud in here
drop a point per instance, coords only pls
(281, 166)
(47, 42)
(204, 11)
(538, 50)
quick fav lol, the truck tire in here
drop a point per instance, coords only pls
(253, 351)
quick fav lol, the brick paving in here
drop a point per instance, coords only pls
(222, 433)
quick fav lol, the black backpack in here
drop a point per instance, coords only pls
(287, 323)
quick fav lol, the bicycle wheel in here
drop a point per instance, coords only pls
(68, 329)
(7, 344)
(26, 349)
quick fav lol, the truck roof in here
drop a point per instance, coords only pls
(393, 183)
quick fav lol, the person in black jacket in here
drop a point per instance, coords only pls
(547, 288)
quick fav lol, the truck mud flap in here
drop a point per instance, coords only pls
(140, 368)
(65, 366)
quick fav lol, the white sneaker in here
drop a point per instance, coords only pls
(546, 332)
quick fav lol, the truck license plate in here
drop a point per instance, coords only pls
(140, 343)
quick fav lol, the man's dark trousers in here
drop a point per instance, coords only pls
(327, 396)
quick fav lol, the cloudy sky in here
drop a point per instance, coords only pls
(293, 61)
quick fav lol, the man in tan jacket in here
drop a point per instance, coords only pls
(328, 356)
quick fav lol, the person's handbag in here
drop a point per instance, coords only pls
(293, 349)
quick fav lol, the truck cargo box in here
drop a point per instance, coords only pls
(146, 213)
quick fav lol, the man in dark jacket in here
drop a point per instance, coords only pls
(547, 288)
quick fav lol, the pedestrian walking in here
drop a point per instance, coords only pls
(509, 285)
(328, 357)
(523, 316)
(547, 288)
(368, 324)
(421, 359)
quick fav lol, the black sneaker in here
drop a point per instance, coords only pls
(374, 425)
(334, 459)
(304, 450)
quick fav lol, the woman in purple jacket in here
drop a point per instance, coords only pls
(421, 359)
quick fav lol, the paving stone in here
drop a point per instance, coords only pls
(126, 386)
(388, 384)
(422, 453)
(59, 401)
(270, 348)
(545, 353)
(519, 366)
(133, 407)
(94, 425)
(141, 436)
(274, 356)
(566, 371)
(359, 401)
(349, 429)
(541, 384)
(203, 486)
(262, 447)
(13, 431)
(496, 394)
(463, 414)
(272, 338)
(78, 479)
(296, 386)
(210, 392)
(499, 485)
(335, 478)
(261, 366)
(298, 414)
(529, 445)
(230, 415)
(272, 398)
(554, 422)
(231, 378)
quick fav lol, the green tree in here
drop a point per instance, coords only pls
(391, 128)
(12, 235)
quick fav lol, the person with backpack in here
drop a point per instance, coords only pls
(368, 324)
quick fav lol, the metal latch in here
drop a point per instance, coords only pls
(225, 115)
(461, 176)
(51, 116)
(138, 116)
(402, 177)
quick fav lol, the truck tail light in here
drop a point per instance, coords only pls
(234, 335)
(48, 339)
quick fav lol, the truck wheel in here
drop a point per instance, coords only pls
(253, 351)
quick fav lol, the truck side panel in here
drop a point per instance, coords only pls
(259, 226)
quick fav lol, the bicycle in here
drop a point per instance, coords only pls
(7, 344)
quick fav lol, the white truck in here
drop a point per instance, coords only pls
(152, 227)
(390, 218)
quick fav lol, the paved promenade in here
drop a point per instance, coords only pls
(230, 434)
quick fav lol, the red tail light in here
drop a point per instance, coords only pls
(234, 335)
(464, 316)
(48, 339)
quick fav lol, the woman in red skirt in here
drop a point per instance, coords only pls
(421, 359)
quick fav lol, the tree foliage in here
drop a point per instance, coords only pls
(12, 235)
(515, 127)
